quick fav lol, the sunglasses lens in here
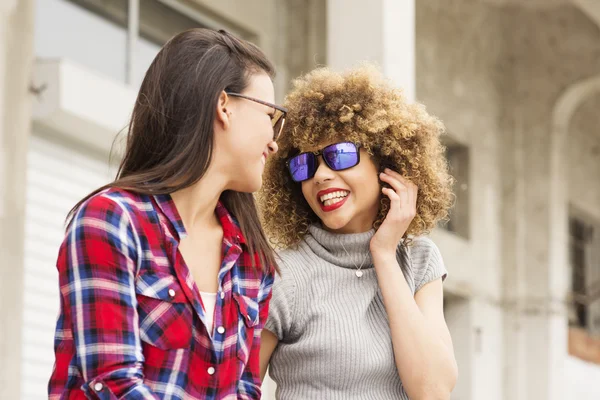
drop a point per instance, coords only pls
(302, 167)
(341, 156)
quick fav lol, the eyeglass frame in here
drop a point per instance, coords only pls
(283, 110)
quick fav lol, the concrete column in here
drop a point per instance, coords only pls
(459, 316)
(535, 316)
(16, 59)
(382, 31)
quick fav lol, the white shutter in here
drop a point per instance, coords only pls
(58, 175)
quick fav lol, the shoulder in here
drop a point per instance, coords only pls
(426, 261)
(101, 228)
(118, 216)
(295, 262)
(113, 205)
(294, 265)
(287, 301)
(423, 249)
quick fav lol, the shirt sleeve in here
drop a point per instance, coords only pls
(97, 284)
(249, 386)
(427, 259)
(281, 311)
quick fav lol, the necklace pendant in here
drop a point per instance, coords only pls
(359, 273)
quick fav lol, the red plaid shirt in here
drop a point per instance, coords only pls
(132, 324)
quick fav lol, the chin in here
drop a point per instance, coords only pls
(334, 224)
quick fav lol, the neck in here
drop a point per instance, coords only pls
(350, 228)
(196, 204)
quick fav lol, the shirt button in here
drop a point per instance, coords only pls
(222, 295)
(172, 292)
(98, 387)
(221, 330)
(249, 319)
(211, 371)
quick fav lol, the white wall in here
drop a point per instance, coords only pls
(582, 379)
(486, 350)
(59, 174)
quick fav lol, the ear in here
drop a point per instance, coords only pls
(223, 113)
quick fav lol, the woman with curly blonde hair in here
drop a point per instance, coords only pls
(357, 311)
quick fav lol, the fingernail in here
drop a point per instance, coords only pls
(388, 170)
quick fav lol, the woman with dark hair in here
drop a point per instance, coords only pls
(165, 273)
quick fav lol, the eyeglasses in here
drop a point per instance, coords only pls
(278, 117)
(338, 157)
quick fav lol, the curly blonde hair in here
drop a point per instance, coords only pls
(359, 105)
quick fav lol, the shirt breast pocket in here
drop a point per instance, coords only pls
(165, 314)
(247, 323)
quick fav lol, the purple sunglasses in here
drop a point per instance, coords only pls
(338, 157)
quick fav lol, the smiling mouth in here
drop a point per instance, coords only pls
(330, 199)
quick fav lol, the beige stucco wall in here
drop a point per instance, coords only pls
(583, 154)
(459, 48)
(493, 71)
(291, 32)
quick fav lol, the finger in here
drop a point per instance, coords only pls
(413, 192)
(396, 213)
(404, 180)
(404, 196)
(411, 187)
(400, 189)
(393, 196)
(397, 175)
(393, 182)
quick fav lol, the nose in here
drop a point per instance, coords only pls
(273, 147)
(323, 172)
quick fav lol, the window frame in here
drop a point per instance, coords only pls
(127, 14)
(459, 166)
(584, 285)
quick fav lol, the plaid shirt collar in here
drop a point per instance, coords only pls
(231, 229)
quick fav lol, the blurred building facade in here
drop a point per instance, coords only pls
(517, 84)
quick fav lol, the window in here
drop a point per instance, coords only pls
(584, 254)
(458, 159)
(118, 38)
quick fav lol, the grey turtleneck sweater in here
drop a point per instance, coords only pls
(334, 337)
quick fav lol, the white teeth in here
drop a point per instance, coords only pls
(333, 201)
(340, 194)
(263, 159)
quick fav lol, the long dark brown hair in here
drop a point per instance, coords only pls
(170, 135)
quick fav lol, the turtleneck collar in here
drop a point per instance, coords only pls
(344, 250)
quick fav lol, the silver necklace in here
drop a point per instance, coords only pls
(358, 272)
